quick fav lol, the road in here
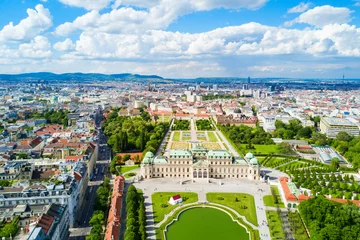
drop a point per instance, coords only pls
(100, 171)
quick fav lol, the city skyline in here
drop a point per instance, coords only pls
(188, 39)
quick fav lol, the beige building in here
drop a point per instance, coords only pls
(332, 126)
(200, 164)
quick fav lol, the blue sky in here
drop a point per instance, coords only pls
(183, 38)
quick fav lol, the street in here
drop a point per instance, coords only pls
(100, 171)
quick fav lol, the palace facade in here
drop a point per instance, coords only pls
(200, 164)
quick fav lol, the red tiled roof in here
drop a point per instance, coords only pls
(113, 221)
(356, 202)
(45, 222)
(288, 195)
(176, 197)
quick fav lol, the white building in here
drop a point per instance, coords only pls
(69, 190)
(200, 164)
(175, 200)
(332, 126)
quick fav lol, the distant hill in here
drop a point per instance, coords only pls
(48, 76)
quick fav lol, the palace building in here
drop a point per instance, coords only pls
(200, 164)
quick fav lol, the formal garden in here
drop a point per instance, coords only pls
(212, 137)
(161, 204)
(180, 145)
(243, 203)
(211, 145)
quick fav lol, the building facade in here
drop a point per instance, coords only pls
(200, 164)
(332, 126)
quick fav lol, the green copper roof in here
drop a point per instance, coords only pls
(179, 152)
(254, 161)
(160, 160)
(249, 155)
(219, 153)
(149, 155)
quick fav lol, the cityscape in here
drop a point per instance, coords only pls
(109, 129)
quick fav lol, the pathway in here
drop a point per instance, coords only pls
(219, 141)
(193, 132)
(251, 187)
(225, 141)
(150, 225)
(163, 142)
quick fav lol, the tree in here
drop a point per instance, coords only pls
(335, 163)
(343, 136)
(305, 132)
(285, 148)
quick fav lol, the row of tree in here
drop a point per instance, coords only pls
(327, 219)
(101, 207)
(9, 229)
(204, 124)
(135, 215)
(180, 124)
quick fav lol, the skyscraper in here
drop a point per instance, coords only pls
(249, 80)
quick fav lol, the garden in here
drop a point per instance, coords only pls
(180, 145)
(161, 206)
(212, 137)
(242, 203)
(273, 200)
(180, 125)
(275, 226)
(211, 146)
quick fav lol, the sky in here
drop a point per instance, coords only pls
(182, 38)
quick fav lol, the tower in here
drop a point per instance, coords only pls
(249, 80)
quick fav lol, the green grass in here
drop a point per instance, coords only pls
(269, 200)
(176, 136)
(129, 175)
(275, 226)
(245, 205)
(212, 137)
(200, 223)
(265, 149)
(201, 138)
(297, 226)
(124, 169)
(160, 198)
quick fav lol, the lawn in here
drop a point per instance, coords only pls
(265, 149)
(129, 175)
(212, 137)
(186, 136)
(242, 203)
(160, 198)
(269, 200)
(205, 223)
(176, 136)
(297, 226)
(275, 226)
(201, 136)
(124, 169)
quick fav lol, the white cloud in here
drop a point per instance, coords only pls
(158, 16)
(357, 3)
(39, 47)
(43, 0)
(302, 7)
(322, 16)
(66, 45)
(38, 21)
(87, 4)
